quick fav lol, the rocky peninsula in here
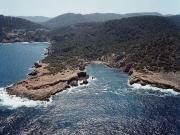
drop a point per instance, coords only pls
(41, 84)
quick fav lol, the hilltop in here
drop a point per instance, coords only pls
(72, 19)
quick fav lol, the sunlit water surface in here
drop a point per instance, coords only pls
(107, 105)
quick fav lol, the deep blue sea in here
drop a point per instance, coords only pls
(16, 59)
(106, 106)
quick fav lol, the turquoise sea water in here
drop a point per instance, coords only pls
(106, 106)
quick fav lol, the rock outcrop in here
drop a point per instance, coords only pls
(161, 79)
(37, 65)
(33, 73)
(45, 84)
(166, 80)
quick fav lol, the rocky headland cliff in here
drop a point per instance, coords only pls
(41, 84)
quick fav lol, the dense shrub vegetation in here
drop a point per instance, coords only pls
(151, 42)
(148, 41)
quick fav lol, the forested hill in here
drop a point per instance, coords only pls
(8, 23)
(151, 42)
(14, 29)
(175, 19)
(72, 19)
(35, 19)
(147, 41)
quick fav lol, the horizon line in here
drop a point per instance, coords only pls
(87, 14)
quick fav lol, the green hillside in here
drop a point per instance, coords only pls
(151, 42)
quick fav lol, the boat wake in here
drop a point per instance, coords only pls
(14, 102)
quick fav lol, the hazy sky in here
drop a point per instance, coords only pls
(56, 7)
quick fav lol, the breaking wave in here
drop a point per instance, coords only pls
(79, 87)
(14, 102)
(149, 87)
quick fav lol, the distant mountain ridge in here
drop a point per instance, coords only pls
(36, 19)
(71, 18)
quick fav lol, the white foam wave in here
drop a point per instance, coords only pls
(14, 102)
(80, 85)
(31, 68)
(149, 87)
(5, 43)
(24, 42)
(91, 79)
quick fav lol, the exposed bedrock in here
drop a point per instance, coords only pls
(43, 85)
(165, 80)
(158, 79)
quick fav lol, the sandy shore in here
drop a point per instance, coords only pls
(43, 84)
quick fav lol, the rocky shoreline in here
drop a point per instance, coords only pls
(165, 80)
(160, 80)
(41, 84)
